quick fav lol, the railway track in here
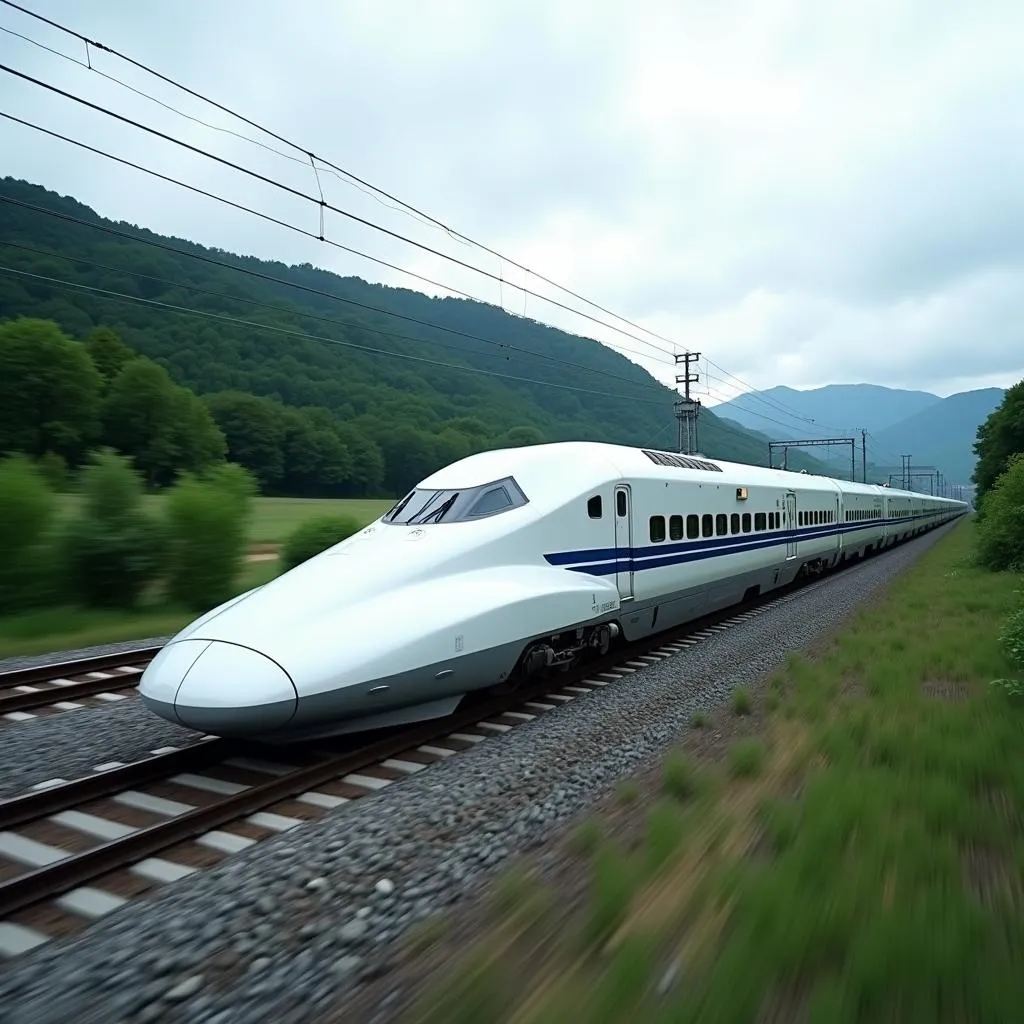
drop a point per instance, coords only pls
(72, 852)
(26, 694)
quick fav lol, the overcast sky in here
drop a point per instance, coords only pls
(808, 192)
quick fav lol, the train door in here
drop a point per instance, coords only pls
(623, 542)
(791, 525)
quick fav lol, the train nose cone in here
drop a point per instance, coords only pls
(220, 688)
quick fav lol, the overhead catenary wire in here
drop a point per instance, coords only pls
(275, 220)
(259, 275)
(307, 152)
(324, 319)
(255, 325)
(321, 203)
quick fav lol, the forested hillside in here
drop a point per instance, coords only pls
(405, 381)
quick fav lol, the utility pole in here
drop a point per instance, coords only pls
(906, 472)
(687, 409)
(863, 456)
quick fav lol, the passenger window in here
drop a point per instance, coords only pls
(721, 524)
(594, 507)
(490, 502)
(801, 516)
(657, 529)
(620, 502)
(675, 528)
(746, 522)
(760, 521)
(707, 524)
(734, 523)
(692, 527)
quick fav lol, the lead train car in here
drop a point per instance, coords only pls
(505, 564)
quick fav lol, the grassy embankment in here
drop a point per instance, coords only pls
(273, 519)
(857, 856)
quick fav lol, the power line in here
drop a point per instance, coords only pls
(249, 272)
(299, 194)
(274, 220)
(306, 152)
(313, 316)
(238, 321)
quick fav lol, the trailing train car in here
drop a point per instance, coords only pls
(506, 564)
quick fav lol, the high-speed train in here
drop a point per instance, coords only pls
(505, 564)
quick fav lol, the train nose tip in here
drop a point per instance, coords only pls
(220, 688)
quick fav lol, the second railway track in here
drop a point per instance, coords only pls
(40, 691)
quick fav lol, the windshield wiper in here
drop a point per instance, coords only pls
(438, 514)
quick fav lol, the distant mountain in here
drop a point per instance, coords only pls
(942, 434)
(835, 408)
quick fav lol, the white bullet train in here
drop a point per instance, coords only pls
(504, 564)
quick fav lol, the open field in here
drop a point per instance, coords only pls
(274, 518)
(844, 844)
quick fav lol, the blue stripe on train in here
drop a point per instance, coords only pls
(606, 561)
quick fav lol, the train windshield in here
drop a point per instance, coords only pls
(422, 506)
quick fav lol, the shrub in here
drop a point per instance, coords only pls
(1012, 638)
(53, 468)
(208, 524)
(679, 777)
(314, 536)
(26, 509)
(113, 550)
(746, 757)
(1001, 529)
(741, 701)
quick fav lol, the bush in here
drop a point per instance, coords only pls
(113, 550)
(26, 509)
(1001, 529)
(314, 536)
(53, 469)
(1012, 638)
(208, 523)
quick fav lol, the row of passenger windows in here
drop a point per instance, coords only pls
(815, 517)
(708, 525)
(857, 515)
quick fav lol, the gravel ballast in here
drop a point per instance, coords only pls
(282, 931)
(22, 661)
(72, 743)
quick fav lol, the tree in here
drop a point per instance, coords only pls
(1001, 525)
(26, 508)
(108, 353)
(164, 427)
(999, 437)
(208, 520)
(254, 430)
(49, 391)
(112, 550)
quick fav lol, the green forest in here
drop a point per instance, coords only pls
(319, 385)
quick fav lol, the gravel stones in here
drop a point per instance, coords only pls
(303, 917)
(72, 743)
(59, 657)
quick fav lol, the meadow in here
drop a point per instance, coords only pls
(67, 628)
(857, 857)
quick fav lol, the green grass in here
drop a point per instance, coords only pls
(57, 629)
(862, 860)
(274, 518)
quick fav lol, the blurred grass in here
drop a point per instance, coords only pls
(66, 628)
(862, 861)
(274, 518)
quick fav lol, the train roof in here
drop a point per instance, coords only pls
(583, 465)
